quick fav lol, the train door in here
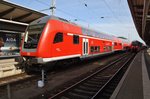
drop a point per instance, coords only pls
(85, 47)
(113, 46)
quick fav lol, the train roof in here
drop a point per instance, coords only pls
(85, 31)
(97, 34)
(46, 18)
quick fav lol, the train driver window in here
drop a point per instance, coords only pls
(58, 37)
(75, 39)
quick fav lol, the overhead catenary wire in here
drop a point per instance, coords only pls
(111, 11)
(43, 2)
(89, 9)
(69, 14)
(117, 19)
(84, 3)
(60, 10)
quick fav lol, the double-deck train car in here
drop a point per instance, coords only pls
(51, 38)
(136, 46)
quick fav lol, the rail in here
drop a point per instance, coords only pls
(92, 85)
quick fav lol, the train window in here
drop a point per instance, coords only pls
(75, 39)
(58, 37)
(115, 44)
(95, 49)
(92, 48)
(105, 48)
(110, 48)
(98, 48)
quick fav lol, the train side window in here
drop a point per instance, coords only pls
(75, 39)
(98, 48)
(95, 49)
(92, 49)
(110, 48)
(115, 44)
(104, 48)
(58, 37)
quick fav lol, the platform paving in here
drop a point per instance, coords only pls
(135, 84)
(8, 68)
(147, 61)
(146, 72)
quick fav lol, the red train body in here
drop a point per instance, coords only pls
(52, 38)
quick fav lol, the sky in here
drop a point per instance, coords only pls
(108, 16)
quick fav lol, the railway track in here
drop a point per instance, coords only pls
(23, 80)
(17, 78)
(99, 85)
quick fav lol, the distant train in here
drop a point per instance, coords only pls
(51, 39)
(136, 46)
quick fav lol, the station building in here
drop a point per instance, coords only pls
(14, 20)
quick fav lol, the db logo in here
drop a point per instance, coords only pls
(58, 49)
(28, 53)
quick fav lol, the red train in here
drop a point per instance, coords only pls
(52, 38)
(136, 46)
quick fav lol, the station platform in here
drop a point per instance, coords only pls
(135, 84)
(7, 67)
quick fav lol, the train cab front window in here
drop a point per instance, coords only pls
(58, 38)
(32, 36)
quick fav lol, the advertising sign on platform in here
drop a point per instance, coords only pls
(9, 44)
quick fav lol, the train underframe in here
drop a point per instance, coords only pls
(30, 65)
(33, 64)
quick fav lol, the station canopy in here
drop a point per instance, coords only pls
(140, 11)
(10, 11)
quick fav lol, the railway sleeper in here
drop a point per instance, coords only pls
(108, 76)
(92, 85)
(93, 82)
(101, 78)
(84, 92)
(72, 95)
(63, 97)
(88, 88)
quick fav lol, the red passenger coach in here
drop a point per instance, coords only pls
(51, 38)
